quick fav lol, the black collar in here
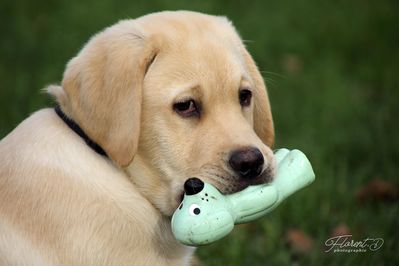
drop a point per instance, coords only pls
(78, 130)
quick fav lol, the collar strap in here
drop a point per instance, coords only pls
(78, 130)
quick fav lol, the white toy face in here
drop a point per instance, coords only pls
(203, 214)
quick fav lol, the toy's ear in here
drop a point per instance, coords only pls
(193, 186)
(263, 121)
(102, 89)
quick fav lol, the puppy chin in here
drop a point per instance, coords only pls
(167, 209)
(175, 197)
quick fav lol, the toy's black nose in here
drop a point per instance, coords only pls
(193, 186)
(248, 162)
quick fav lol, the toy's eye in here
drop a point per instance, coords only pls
(194, 209)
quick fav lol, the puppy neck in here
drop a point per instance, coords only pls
(78, 130)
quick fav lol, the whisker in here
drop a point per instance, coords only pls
(270, 81)
(273, 74)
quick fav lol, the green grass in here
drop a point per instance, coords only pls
(332, 72)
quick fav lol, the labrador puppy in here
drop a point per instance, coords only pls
(145, 105)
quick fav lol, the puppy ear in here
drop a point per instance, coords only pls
(103, 86)
(263, 121)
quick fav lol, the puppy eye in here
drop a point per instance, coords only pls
(245, 97)
(194, 210)
(186, 108)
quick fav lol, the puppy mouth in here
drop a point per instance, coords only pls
(229, 184)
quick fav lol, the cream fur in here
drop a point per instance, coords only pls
(63, 204)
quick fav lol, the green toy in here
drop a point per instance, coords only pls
(205, 215)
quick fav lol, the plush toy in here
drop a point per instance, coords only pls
(205, 215)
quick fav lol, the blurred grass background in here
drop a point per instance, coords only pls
(332, 72)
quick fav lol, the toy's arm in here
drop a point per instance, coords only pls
(280, 154)
(293, 173)
(250, 203)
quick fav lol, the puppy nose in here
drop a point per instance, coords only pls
(248, 162)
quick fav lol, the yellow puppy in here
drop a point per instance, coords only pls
(145, 105)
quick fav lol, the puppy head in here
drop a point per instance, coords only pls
(205, 111)
(173, 95)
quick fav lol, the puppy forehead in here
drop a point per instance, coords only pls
(199, 79)
(204, 68)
